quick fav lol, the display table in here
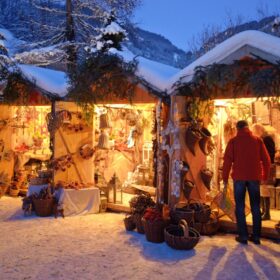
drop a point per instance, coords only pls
(75, 202)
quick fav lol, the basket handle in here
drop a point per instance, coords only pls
(184, 225)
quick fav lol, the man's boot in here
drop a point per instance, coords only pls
(266, 215)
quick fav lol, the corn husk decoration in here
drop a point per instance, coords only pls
(103, 141)
(104, 121)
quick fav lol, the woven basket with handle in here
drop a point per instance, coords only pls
(181, 237)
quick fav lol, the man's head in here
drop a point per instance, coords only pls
(241, 124)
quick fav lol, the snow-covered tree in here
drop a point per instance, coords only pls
(70, 25)
(4, 59)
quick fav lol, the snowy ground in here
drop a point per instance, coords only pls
(97, 247)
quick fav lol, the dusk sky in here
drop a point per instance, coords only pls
(179, 20)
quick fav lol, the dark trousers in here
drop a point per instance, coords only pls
(253, 188)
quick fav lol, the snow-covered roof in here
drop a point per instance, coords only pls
(257, 39)
(52, 81)
(155, 73)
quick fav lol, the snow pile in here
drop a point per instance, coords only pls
(155, 73)
(113, 28)
(97, 247)
(257, 39)
(55, 82)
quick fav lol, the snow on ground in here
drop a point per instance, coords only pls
(97, 247)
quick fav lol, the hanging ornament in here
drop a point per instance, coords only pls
(103, 141)
(104, 121)
(86, 151)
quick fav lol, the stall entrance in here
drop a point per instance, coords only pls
(124, 155)
(24, 144)
(222, 126)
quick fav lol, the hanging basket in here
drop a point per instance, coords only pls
(181, 237)
(44, 207)
(192, 137)
(205, 140)
(206, 177)
(188, 186)
(182, 213)
(154, 230)
(212, 226)
(139, 224)
(129, 223)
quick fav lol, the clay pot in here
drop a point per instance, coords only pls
(192, 137)
(203, 142)
(188, 186)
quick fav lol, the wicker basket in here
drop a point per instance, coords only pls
(3, 190)
(13, 192)
(181, 237)
(39, 181)
(139, 224)
(182, 213)
(202, 214)
(45, 173)
(211, 227)
(206, 177)
(192, 137)
(188, 186)
(43, 207)
(154, 230)
(129, 223)
(203, 142)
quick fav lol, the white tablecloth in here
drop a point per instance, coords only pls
(75, 202)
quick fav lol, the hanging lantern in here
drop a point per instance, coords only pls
(104, 121)
(103, 141)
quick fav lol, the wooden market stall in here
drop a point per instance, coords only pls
(236, 80)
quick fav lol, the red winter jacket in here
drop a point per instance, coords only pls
(248, 157)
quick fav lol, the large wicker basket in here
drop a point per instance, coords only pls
(13, 192)
(181, 237)
(139, 224)
(44, 207)
(154, 230)
(129, 223)
(211, 227)
(202, 215)
(3, 190)
(182, 213)
(39, 181)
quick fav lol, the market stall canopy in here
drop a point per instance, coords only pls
(248, 43)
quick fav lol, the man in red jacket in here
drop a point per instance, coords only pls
(247, 156)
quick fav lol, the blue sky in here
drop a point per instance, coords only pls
(180, 20)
